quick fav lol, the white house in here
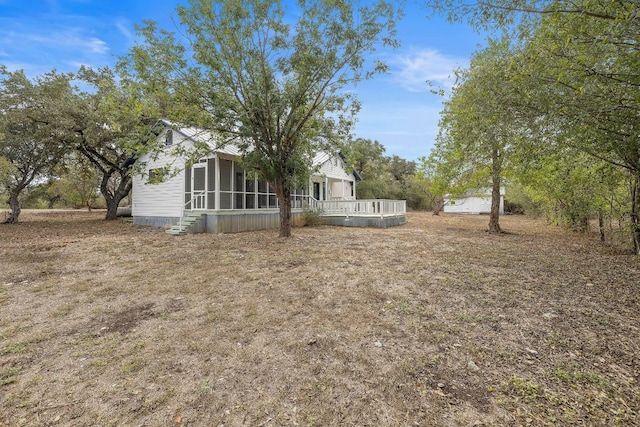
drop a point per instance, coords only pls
(473, 202)
(217, 194)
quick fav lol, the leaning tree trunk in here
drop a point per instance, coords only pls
(496, 172)
(113, 198)
(438, 205)
(14, 204)
(284, 202)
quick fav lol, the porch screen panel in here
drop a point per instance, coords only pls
(211, 183)
(273, 200)
(199, 182)
(263, 195)
(238, 187)
(226, 168)
(187, 188)
(199, 179)
(250, 193)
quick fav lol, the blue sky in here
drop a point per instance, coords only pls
(398, 109)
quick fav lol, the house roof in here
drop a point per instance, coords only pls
(204, 136)
(477, 192)
(320, 158)
(213, 141)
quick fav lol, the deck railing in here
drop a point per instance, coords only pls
(375, 207)
(364, 208)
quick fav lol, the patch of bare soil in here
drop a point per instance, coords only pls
(434, 323)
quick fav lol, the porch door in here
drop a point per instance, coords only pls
(199, 186)
(316, 190)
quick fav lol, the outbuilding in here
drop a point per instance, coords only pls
(472, 202)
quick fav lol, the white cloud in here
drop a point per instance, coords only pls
(420, 66)
(123, 26)
(71, 39)
(96, 45)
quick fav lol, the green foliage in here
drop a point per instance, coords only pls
(573, 85)
(28, 145)
(74, 185)
(274, 86)
(478, 130)
(312, 217)
(385, 177)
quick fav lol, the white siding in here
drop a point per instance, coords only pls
(334, 168)
(472, 203)
(165, 199)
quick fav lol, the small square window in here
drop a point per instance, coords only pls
(155, 175)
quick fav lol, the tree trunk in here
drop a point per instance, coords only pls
(113, 198)
(438, 205)
(494, 217)
(14, 204)
(635, 214)
(284, 202)
(53, 200)
(496, 172)
(601, 224)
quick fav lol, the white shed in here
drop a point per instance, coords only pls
(473, 202)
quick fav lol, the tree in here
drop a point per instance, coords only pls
(569, 187)
(589, 88)
(582, 63)
(78, 186)
(109, 126)
(383, 177)
(478, 129)
(28, 144)
(276, 89)
(367, 158)
(430, 178)
(362, 153)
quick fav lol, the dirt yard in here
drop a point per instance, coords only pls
(435, 323)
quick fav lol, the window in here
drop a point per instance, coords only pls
(155, 175)
(169, 138)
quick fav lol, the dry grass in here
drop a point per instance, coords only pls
(435, 323)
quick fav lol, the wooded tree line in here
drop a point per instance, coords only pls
(551, 107)
(387, 177)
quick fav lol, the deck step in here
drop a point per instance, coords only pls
(186, 224)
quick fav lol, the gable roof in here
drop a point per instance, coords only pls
(206, 137)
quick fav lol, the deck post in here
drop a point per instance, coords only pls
(217, 183)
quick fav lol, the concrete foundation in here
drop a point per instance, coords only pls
(365, 221)
(239, 221)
